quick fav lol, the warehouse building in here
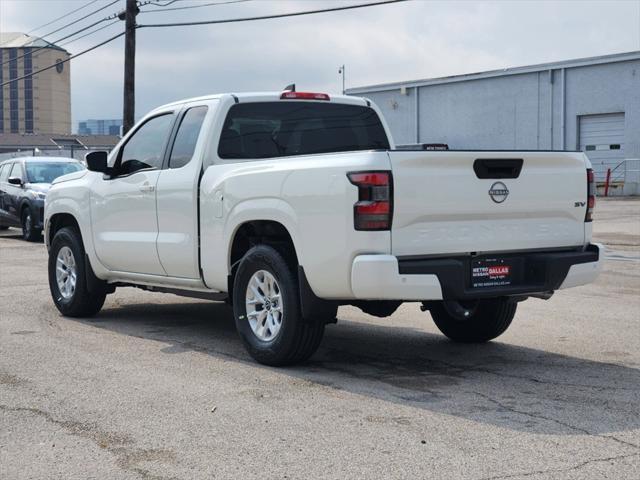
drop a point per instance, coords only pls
(36, 104)
(589, 104)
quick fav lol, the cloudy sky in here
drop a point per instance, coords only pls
(416, 39)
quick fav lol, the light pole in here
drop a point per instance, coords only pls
(342, 70)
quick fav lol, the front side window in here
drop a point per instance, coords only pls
(144, 148)
(285, 128)
(47, 172)
(185, 143)
(16, 171)
(4, 172)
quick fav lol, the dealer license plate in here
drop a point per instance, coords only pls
(491, 272)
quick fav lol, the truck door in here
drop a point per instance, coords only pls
(123, 205)
(177, 197)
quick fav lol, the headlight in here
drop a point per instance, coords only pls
(38, 195)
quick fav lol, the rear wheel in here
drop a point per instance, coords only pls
(475, 321)
(68, 277)
(29, 232)
(266, 306)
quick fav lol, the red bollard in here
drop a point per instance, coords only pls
(606, 183)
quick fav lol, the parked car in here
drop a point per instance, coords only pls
(289, 204)
(24, 183)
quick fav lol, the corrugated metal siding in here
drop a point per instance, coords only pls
(521, 110)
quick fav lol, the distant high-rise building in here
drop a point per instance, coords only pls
(36, 104)
(99, 127)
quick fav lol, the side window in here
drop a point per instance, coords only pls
(16, 171)
(145, 147)
(4, 172)
(187, 137)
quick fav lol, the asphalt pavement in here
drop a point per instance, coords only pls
(159, 387)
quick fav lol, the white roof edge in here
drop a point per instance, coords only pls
(271, 95)
(578, 62)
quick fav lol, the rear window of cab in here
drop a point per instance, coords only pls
(281, 129)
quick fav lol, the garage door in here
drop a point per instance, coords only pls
(602, 139)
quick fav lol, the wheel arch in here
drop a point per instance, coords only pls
(253, 232)
(275, 234)
(60, 220)
(24, 203)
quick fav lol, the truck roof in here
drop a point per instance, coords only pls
(263, 97)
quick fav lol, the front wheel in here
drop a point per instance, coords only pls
(266, 306)
(68, 277)
(473, 322)
(29, 232)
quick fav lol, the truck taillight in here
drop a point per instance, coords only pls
(304, 96)
(591, 195)
(374, 208)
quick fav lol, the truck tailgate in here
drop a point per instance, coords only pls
(443, 205)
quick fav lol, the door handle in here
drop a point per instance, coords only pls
(147, 188)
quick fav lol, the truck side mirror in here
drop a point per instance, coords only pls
(96, 161)
(15, 181)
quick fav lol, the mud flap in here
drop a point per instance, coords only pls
(94, 284)
(312, 307)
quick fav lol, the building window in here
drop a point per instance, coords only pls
(28, 92)
(13, 91)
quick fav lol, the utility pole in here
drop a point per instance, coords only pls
(342, 71)
(129, 99)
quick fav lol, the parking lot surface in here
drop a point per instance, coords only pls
(160, 387)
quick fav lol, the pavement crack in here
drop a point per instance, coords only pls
(561, 470)
(556, 421)
(119, 445)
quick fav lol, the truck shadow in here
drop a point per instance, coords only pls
(505, 385)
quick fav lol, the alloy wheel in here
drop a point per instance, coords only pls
(264, 305)
(66, 272)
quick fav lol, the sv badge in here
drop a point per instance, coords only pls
(579, 204)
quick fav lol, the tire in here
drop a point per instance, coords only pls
(78, 301)
(29, 233)
(296, 339)
(488, 319)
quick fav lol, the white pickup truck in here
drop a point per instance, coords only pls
(290, 204)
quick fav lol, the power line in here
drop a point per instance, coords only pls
(80, 19)
(54, 43)
(55, 19)
(188, 7)
(148, 2)
(63, 61)
(90, 33)
(268, 17)
(231, 20)
(62, 16)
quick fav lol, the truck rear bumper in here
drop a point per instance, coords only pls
(377, 277)
(386, 277)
